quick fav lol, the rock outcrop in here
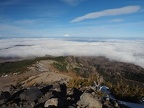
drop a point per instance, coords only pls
(56, 95)
(88, 100)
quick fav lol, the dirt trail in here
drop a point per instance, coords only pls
(41, 72)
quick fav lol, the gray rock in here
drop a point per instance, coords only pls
(107, 99)
(32, 104)
(51, 102)
(70, 91)
(12, 88)
(55, 102)
(48, 95)
(41, 100)
(87, 100)
(56, 87)
(13, 105)
(3, 106)
(31, 94)
(4, 96)
(114, 102)
(2, 101)
(45, 97)
(27, 106)
(71, 106)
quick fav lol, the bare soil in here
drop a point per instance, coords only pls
(40, 73)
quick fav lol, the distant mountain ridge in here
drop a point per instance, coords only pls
(108, 68)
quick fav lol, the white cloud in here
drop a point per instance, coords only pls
(72, 2)
(109, 12)
(24, 22)
(117, 20)
(66, 35)
(121, 50)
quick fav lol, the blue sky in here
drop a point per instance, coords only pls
(72, 18)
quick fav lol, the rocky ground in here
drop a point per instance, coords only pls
(56, 95)
(43, 86)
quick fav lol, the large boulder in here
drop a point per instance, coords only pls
(31, 94)
(87, 100)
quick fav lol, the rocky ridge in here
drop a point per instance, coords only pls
(56, 95)
(46, 84)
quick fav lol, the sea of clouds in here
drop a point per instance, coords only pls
(131, 51)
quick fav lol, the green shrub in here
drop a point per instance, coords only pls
(61, 66)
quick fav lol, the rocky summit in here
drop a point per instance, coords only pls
(56, 95)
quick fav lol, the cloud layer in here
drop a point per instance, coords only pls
(109, 12)
(121, 50)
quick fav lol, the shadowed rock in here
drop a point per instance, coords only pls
(76, 94)
(31, 94)
(4, 96)
(46, 89)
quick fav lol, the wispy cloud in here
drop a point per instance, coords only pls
(25, 21)
(109, 12)
(120, 50)
(117, 20)
(72, 2)
(66, 35)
